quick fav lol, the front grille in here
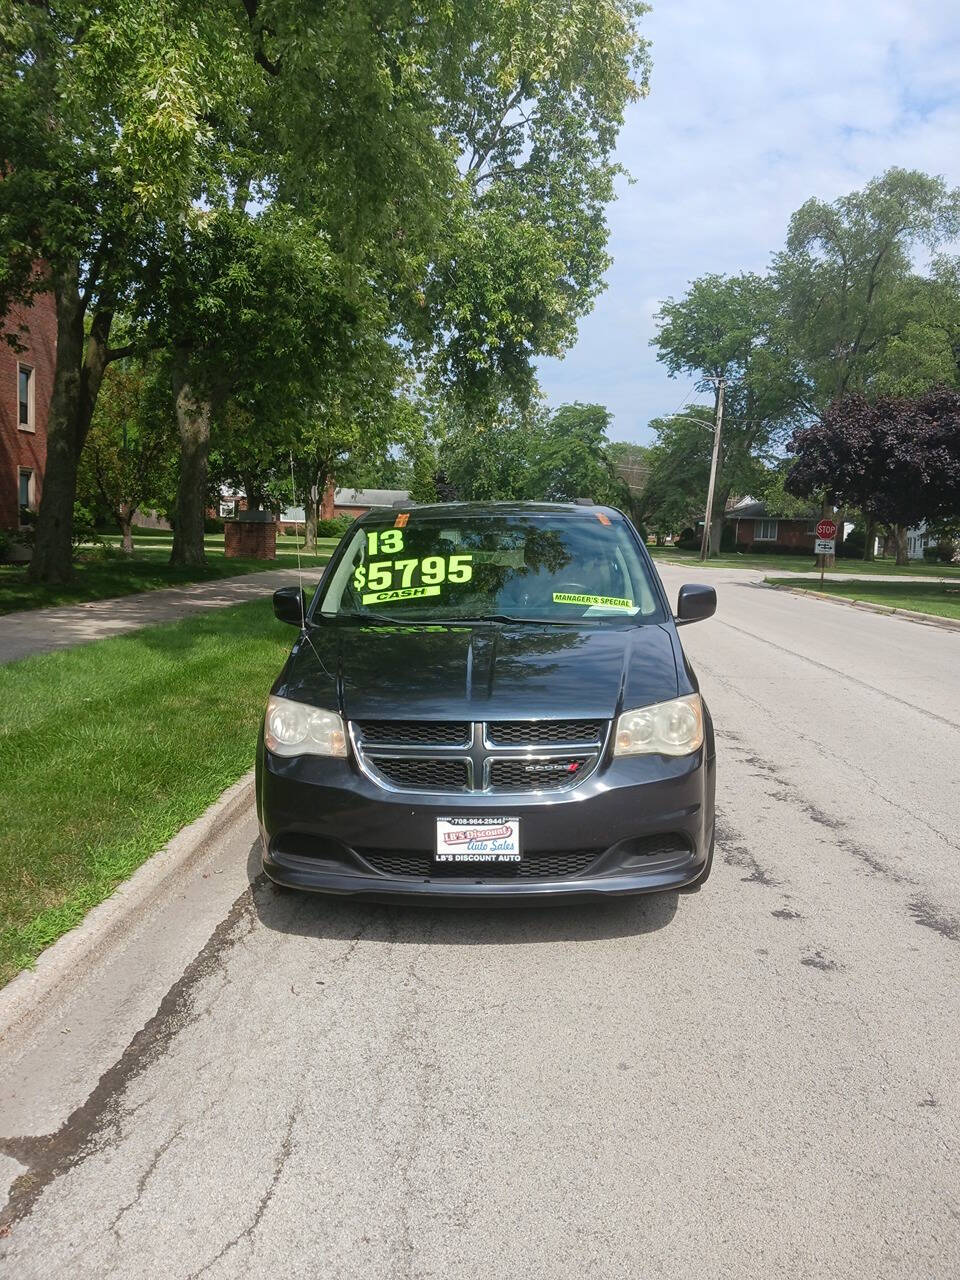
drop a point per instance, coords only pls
(402, 733)
(536, 775)
(509, 756)
(422, 775)
(534, 866)
(509, 733)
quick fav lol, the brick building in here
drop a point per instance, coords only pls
(26, 384)
(755, 530)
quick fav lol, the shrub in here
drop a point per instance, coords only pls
(853, 544)
(212, 524)
(334, 528)
(85, 527)
(931, 554)
(946, 550)
(689, 540)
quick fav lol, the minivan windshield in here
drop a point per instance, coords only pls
(550, 568)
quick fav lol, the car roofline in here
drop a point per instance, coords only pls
(467, 510)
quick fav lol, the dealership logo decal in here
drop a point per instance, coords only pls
(467, 834)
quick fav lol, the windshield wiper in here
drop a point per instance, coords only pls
(509, 617)
(381, 619)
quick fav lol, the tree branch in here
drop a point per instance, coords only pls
(257, 32)
(119, 353)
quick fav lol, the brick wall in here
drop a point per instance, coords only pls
(20, 448)
(790, 533)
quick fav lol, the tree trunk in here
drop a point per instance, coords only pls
(126, 527)
(193, 424)
(253, 492)
(900, 533)
(871, 535)
(76, 384)
(716, 520)
(310, 505)
(827, 512)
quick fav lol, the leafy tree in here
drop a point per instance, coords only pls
(922, 348)
(428, 142)
(106, 135)
(128, 459)
(522, 254)
(674, 494)
(531, 455)
(852, 307)
(897, 458)
(570, 457)
(255, 311)
(728, 327)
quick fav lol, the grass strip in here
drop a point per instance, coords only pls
(99, 577)
(109, 749)
(805, 564)
(941, 598)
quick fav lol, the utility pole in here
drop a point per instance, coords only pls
(718, 423)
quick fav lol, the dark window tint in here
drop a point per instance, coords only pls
(25, 376)
(546, 565)
(25, 488)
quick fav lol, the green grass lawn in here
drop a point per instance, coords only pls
(942, 598)
(97, 577)
(111, 748)
(806, 564)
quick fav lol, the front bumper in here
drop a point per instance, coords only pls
(647, 821)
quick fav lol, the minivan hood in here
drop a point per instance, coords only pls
(498, 671)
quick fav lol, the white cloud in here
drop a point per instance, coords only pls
(754, 108)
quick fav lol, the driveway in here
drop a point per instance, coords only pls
(755, 1081)
(30, 631)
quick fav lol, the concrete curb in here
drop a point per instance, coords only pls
(909, 615)
(34, 990)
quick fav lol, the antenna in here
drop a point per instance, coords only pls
(296, 525)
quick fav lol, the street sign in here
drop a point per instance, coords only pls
(826, 529)
(824, 546)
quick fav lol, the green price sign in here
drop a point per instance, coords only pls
(407, 578)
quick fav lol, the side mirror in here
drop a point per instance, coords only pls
(695, 603)
(290, 605)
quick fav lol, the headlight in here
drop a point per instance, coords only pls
(672, 728)
(295, 729)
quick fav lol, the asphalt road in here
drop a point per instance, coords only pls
(759, 1080)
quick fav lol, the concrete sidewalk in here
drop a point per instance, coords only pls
(44, 630)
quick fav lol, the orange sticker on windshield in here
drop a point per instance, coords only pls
(601, 517)
(401, 520)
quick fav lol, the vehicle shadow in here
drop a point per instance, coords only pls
(313, 915)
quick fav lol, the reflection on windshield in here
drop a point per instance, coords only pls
(546, 569)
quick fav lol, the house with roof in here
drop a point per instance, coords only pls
(756, 529)
(349, 502)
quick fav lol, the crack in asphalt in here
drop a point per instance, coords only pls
(286, 1148)
(48, 1157)
(932, 916)
(145, 1178)
(738, 855)
(824, 749)
(923, 910)
(842, 675)
(817, 960)
(789, 794)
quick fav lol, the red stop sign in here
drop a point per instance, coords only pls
(826, 529)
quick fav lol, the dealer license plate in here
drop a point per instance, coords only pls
(474, 840)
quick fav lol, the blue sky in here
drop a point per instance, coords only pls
(755, 105)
